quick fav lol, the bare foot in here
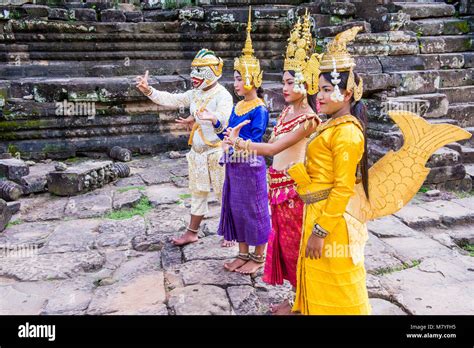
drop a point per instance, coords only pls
(283, 308)
(250, 267)
(232, 266)
(186, 238)
(227, 243)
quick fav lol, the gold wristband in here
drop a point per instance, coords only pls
(247, 145)
(237, 142)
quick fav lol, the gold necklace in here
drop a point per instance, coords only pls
(243, 107)
(202, 103)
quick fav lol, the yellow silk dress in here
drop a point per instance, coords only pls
(332, 284)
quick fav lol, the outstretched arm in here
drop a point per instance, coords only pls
(176, 100)
(271, 149)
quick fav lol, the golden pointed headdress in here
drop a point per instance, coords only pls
(299, 57)
(337, 59)
(247, 64)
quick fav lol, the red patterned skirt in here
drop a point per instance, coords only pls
(287, 218)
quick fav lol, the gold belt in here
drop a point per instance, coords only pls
(316, 196)
(203, 148)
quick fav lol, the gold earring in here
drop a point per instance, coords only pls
(351, 81)
(304, 103)
(358, 90)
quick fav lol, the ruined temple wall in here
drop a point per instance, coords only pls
(61, 59)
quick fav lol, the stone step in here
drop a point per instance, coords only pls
(120, 67)
(417, 82)
(146, 142)
(423, 10)
(78, 130)
(169, 28)
(439, 26)
(430, 81)
(333, 30)
(444, 157)
(470, 170)
(111, 89)
(443, 120)
(462, 94)
(444, 43)
(467, 154)
(131, 55)
(456, 77)
(429, 214)
(166, 46)
(208, 13)
(437, 104)
(422, 62)
(463, 113)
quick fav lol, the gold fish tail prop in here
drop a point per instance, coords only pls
(396, 177)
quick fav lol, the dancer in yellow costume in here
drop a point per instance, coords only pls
(331, 273)
(331, 277)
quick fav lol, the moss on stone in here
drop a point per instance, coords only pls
(335, 20)
(13, 149)
(463, 26)
(15, 125)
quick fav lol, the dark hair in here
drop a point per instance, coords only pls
(310, 98)
(359, 110)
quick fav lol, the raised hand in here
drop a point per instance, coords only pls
(142, 83)
(187, 122)
(207, 116)
(231, 134)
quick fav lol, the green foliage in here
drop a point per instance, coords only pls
(13, 150)
(13, 223)
(423, 189)
(405, 265)
(175, 4)
(72, 160)
(463, 26)
(143, 207)
(470, 248)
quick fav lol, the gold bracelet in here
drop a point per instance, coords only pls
(236, 143)
(247, 145)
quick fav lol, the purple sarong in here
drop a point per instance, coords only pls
(245, 214)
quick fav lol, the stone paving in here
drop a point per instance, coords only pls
(84, 260)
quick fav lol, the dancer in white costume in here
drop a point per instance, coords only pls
(203, 158)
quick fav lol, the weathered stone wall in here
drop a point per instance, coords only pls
(85, 55)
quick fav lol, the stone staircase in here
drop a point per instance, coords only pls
(442, 74)
(408, 52)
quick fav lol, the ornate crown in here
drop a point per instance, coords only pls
(300, 59)
(208, 58)
(247, 64)
(337, 59)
